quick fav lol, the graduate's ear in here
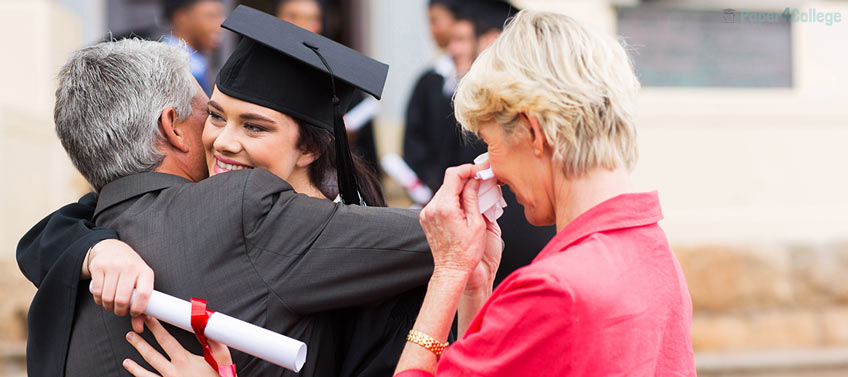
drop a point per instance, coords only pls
(172, 131)
(306, 158)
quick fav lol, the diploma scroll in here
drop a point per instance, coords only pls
(360, 114)
(246, 337)
(397, 168)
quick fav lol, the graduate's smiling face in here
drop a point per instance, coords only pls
(241, 135)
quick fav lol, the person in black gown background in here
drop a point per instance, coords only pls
(309, 14)
(433, 141)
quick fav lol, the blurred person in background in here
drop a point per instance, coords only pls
(433, 141)
(440, 14)
(461, 45)
(554, 101)
(196, 26)
(307, 14)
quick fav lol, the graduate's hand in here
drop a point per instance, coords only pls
(452, 223)
(115, 270)
(182, 363)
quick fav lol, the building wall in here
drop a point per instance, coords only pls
(36, 37)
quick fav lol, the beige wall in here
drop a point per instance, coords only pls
(37, 37)
(36, 175)
(738, 165)
(742, 165)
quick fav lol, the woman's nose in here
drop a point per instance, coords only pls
(227, 140)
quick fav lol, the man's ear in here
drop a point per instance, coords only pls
(174, 134)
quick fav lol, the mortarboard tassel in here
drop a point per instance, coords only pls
(345, 170)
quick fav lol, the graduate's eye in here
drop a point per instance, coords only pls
(254, 128)
(214, 116)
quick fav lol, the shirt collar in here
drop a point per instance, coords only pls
(134, 185)
(620, 212)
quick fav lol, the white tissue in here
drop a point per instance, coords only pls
(489, 195)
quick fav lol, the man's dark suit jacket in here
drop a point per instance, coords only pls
(253, 248)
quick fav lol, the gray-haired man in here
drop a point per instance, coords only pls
(129, 115)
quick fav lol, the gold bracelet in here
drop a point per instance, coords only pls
(427, 342)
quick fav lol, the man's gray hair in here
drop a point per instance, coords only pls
(109, 101)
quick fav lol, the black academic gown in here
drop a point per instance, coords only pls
(433, 141)
(50, 255)
(369, 339)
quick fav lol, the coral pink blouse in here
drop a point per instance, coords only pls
(605, 297)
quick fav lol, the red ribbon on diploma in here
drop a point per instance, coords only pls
(199, 318)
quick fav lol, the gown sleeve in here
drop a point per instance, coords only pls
(66, 233)
(317, 256)
(50, 255)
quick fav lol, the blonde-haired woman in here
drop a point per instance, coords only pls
(554, 101)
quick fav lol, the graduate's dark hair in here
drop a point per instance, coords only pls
(322, 171)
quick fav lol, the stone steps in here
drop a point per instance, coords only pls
(774, 363)
(13, 359)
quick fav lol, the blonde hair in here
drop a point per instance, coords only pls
(577, 82)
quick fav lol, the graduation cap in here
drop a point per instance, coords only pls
(301, 74)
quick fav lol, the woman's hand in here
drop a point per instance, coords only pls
(452, 223)
(483, 275)
(478, 288)
(115, 270)
(182, 363)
